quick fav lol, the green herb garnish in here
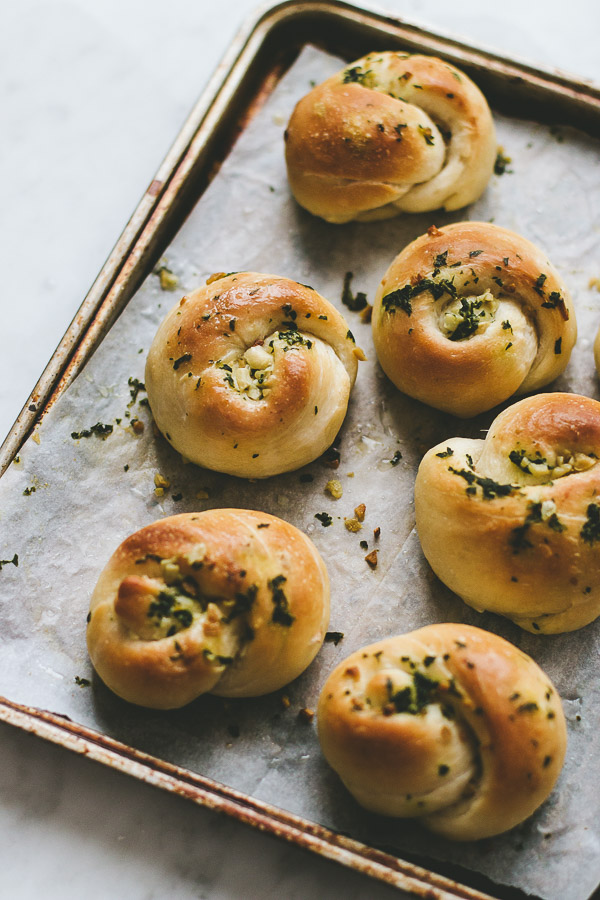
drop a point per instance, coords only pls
(354, 302)
(281, 614)
(591, 529)
(324, 518)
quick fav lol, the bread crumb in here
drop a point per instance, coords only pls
(352, 525)
(376, 533)
(359, 354)
(334, 487)
(306, 715)
(161, 482)
(285, 701)
(350, 475)
(371, 558)
(433, 231)
(360, 511)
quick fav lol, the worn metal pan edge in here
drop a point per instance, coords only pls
(144, 237)
(419, 882)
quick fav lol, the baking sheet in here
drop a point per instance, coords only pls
(83, 496)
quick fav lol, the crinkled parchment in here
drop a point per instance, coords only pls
(90, 493)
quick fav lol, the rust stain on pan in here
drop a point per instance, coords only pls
(155, 188)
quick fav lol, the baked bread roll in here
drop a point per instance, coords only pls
(251, 375)
(450, 724)
(228, 601)
(512, 524)
(470, 314)
(390, 133)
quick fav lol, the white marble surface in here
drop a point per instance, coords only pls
(91, 98)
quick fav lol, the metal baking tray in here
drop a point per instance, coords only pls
(254, 64)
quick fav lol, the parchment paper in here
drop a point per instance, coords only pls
(90, 493)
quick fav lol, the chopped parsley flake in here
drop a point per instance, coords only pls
(135, 386)
(591, 529)
(491, 489)
(98, 429)
(334, 637)
(182, 359)
(402, 297)
(241, 603)
(413, 698)
(501, 163)
(354, 302)
(355, 75)
(446, 453)
(292, 337)
(281, 614)
(556, 301)
(518, 539)
(470, 319)
(324, 518)
(9, 562)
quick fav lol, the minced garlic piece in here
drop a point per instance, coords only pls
(465, 316)
(170, 570)
(360, 511)
(553, 465)
(168, 279)
(249, 374)
(352, 525)
(334, 487)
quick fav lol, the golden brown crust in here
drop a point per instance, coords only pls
(450, 724)
(512, 524)
(468, 315)
(230, 601)
(390, 133)
(251, 375)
